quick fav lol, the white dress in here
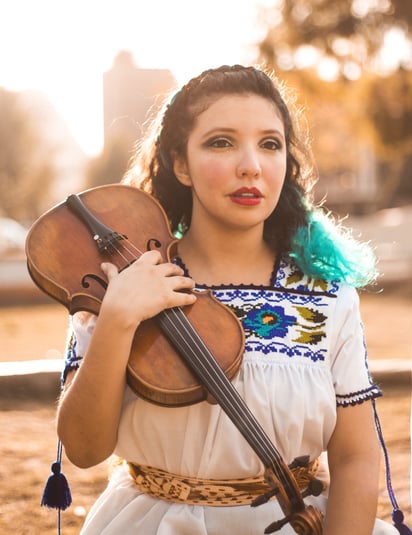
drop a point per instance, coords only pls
(304, 355)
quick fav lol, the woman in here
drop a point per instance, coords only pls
(227, 164)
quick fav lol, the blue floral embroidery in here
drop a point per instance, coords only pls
(287, 318)
(269, 321)
(72, 359)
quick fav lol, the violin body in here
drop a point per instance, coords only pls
(64, 262)
(156, 370)
(61, 253)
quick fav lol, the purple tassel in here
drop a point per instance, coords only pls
(397, 514)
(397, 518)
(56, 494)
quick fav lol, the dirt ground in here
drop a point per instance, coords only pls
(27, 433)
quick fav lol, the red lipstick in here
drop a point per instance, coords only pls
(246, 196)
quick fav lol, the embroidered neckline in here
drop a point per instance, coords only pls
(273, 277)
(285, 277)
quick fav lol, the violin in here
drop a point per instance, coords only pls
(177, 357)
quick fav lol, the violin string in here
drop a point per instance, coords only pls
(268, 452)
(128, 247)
(132, 246)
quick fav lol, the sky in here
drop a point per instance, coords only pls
(63, 47)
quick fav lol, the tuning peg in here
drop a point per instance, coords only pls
(314, 488)
(264, 498)
(299, 462)
(276, 526)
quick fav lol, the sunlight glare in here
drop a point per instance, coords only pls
(352, 70)
(306, 56)
(360, 8)
(328, 69)
(396, 50)
(63, 48)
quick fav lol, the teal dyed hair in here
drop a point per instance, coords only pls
(323, 249)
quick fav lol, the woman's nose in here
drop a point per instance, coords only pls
(249, 165)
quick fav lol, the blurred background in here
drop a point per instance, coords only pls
(78, 82)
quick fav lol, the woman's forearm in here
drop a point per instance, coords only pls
(354, 461)
(89, 409)
(353, 497)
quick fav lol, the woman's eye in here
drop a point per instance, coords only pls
(271, 144)
(219, 143)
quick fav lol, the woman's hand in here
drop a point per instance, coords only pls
(145, 288)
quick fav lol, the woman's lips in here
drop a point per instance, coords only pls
(246, 196)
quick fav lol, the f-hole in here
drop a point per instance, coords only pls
(153, 243)
(96, 278)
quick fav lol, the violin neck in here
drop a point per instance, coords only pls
(204, 366)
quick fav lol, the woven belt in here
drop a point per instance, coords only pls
(193, 491)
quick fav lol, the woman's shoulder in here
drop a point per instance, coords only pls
(338, 297)
(304, 288)
(289, 276)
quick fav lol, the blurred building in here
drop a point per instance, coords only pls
(130, 94)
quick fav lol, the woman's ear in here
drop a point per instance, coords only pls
(181, 171)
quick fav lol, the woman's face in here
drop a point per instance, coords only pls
(235, 162)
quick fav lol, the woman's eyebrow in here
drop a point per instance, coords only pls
(228, 129)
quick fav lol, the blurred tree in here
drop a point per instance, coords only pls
(389, 107)
(347, 35)
(336, 54)
(26, 171)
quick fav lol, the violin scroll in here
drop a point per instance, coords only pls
(305, 522)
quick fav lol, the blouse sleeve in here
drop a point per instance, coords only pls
(80, 331)
(352, 381)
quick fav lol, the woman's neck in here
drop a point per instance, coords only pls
(227, 258)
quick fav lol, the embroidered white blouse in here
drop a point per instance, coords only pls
(304, 355)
